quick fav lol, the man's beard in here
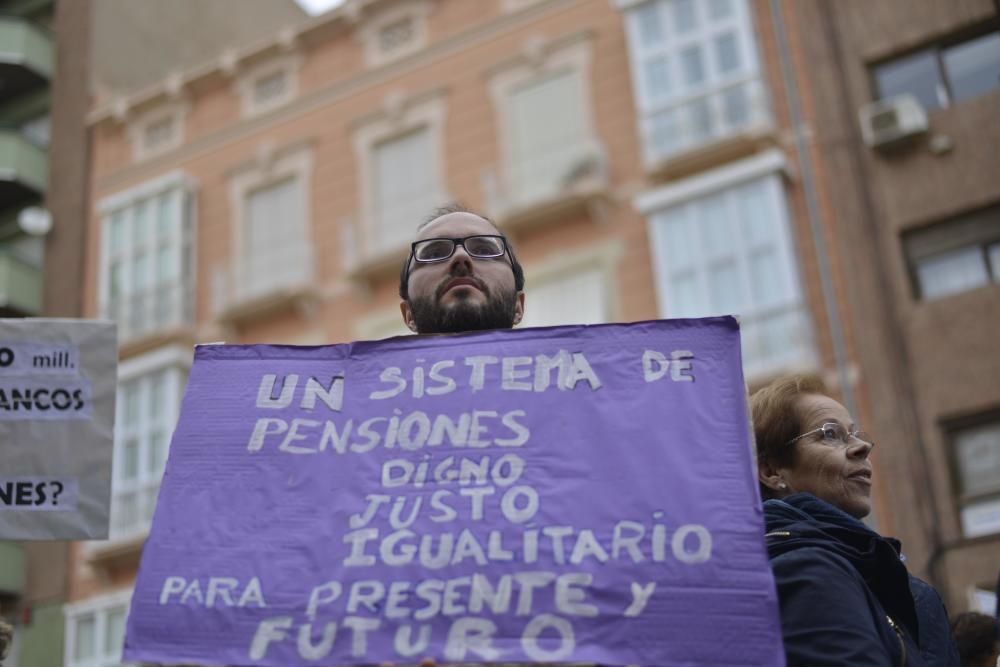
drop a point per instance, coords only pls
(497, 313)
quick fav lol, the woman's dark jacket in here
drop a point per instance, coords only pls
(846, 597)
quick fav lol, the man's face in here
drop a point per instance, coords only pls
(461, 293)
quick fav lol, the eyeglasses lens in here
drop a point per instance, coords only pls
(434, 250)
(484, 246)
(835, 434)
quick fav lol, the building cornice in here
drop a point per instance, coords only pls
(347, 16)
(310, 102)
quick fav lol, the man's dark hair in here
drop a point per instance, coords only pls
(404, 274)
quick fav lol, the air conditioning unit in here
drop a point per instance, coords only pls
(891, 120)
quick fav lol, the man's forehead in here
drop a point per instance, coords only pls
(457, 224)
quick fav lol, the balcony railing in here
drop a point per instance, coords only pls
(694, 122)
(777, 339)
(395, 223)
(284, 267)
(132, 510)
(26, 56)
(378, 243)
(257, 288)
(546, 177)
(160, 309)
(20, 286)
(23, 168)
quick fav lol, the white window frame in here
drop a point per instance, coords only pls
(369, 33)
(296, 163)
(175, 358)
(186, 239)
(289, 64)
(601, 257)
(540, 61)
(176, 112)
(768, 164)
(760, 118)
(979, 512)
(399, 117)
(99, 606)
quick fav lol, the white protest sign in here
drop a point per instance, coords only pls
(57, 405)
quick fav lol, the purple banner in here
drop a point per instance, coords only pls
(567, 494)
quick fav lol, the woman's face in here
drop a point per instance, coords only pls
(838, 473)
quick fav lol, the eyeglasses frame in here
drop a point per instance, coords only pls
(822, 429)
(455, 242)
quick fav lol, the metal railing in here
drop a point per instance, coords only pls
(778, 338)
(545, 175)
(700, 120)
(164, 307)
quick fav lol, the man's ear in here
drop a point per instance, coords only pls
(408, 320)
(771, 477)
(518, 307)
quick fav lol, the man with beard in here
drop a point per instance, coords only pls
(461, 275)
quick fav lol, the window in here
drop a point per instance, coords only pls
(95, 631)
(395, 32)
(272, 247)
(955, 256)
(694, 67)
(546, 129)
(942, 75)
(404, 187)
(275, 245)
(400, 158)
(158, 131)
(147, 281)
(723, 246)
(149, 395)
(574, 297)
(270, 84)
(977, 460)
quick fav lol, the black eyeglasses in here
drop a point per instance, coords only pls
(480, 246)
(836, 435)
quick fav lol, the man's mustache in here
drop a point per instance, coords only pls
(443, 285)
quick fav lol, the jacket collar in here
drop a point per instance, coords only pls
(803, 520)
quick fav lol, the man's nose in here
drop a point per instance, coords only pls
(460, 260)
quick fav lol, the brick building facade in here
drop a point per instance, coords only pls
(666, 158)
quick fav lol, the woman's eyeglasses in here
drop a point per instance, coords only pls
(836, 435)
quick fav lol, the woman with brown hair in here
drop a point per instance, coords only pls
(846, 597)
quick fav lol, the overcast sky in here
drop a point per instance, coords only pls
(318, 6)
